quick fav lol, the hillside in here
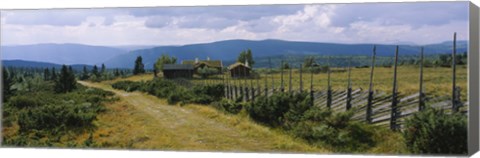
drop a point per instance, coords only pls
(35, 64)
(229, 50)
(60, 53)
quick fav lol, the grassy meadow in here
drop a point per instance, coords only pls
(437, 80)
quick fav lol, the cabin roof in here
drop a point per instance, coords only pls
(237, 64)
(177, 67)
(210, 63)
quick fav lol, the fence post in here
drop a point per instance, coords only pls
(258, 85)
(370, 87)
(349, 87)
(271, 74)
(236, 88)
(393, 118)
(282, 87)
(252, 89)
(227, 84)
(454, 63)
(290, 80)
(329, 88)
(301, 79)
(247, 98)
(421, 100)
(311, 87)
(266, 86)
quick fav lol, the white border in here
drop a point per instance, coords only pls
(53, 153)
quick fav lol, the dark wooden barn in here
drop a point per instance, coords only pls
(171, 71)
(239, 70)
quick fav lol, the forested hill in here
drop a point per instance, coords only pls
(35, 64)
(229, 50)
(60, 53)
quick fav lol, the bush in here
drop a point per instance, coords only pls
(159, 87)
(322, 127)
(128, 86)
(434, 132)
(228, 106)
(216, 91)
(180, 95)
(278, 108)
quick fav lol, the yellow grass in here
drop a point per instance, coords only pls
(437, 80)
(142, 121)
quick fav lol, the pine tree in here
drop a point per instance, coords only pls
(84, 74)
(7, 82)
(102, 71)
(66, 81)
(72, 82)
(139, 67)
(46, 74)
(116, 73)
(95, 71)
(54, 74)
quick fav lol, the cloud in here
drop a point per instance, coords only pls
(421, 23)
(244, 13)
(414, 14)
(58, 17)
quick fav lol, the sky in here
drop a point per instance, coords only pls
(381, 23)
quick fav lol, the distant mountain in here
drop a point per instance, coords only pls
(60, 53)
(35, 64)
(129, 48)
(228, 50)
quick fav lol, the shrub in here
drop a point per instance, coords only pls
(159, 87)
(128, 86)
(52, 117)
(336, 130)
(24, 102)
(215, 91)
(434, 132)
(180, 95)
(278, 108)
(228, 106)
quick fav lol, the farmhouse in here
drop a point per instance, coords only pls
(197, 64)
(239, 70)
(171, 71)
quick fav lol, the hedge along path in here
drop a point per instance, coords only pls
(197, 128)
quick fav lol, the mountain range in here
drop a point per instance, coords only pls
(36, 64)
(124, 57)
(60, 53)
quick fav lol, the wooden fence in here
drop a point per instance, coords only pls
(374, 107)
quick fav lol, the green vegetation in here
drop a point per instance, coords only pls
(434, 132)
(246, 56)
(295, 114)
(206, 71)
(164, 59)
(139, 66)
(50, 113)
(66, 81)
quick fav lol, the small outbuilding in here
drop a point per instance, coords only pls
(172, 71)
(239, 70)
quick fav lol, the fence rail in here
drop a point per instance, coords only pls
(378, 108)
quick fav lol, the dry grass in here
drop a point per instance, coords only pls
(437, 80)
(141, 121)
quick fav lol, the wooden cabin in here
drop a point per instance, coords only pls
(172, 71)
(239, 70)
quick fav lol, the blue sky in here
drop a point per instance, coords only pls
(385, 23)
